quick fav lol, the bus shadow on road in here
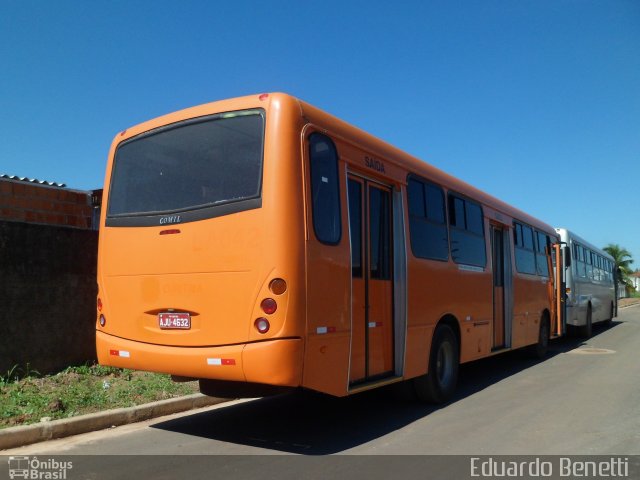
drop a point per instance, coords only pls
(309, 423)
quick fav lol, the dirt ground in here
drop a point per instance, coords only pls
(625, 302)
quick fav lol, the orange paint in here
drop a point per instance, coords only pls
(331, 329)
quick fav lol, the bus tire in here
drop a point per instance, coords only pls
(587, 329)
(440, 382)
(540, 349)
(609, 320)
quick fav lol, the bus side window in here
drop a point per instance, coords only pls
(325, 194)
(466, 232)
(542, 267)
(581, 266)
(427, 227)
(525, 255)
(380, 234)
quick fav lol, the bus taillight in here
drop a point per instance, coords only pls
(99, 304)
(278, 286)
(269, 306)
(262, 325)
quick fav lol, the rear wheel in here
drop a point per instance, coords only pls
(440, 382)
(540, 349)
(587, 329)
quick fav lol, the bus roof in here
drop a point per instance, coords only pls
(569, 234)
(415, 165)
(365, 140)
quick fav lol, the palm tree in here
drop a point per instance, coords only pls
(622, 262)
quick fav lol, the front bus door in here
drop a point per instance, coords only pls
(372, 280)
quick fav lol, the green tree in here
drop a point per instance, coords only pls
(622, 260)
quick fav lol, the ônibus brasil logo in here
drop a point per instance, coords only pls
(31, 467)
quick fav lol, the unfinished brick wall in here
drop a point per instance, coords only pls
(47, 296)
(48, 256)
(47, 205)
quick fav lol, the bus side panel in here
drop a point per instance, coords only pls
(436, 289)
(527, 309)
(418, 343)
(328, 267)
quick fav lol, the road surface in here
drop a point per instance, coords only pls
(584, 399)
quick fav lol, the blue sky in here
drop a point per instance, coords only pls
(536, 102)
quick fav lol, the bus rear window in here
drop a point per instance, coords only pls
(200, 168)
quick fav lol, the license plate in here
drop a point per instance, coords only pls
(174, 321)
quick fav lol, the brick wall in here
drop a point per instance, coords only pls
(47, 296)
(48, 255)
(47, 205)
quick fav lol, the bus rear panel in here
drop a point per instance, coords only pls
(199, 265)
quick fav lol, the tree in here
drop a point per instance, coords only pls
(622, 260)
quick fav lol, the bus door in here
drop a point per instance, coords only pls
(502, 288)
(560, 261)
(370, 225)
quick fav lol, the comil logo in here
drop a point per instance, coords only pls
(49, 469)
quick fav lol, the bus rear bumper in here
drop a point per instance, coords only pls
(274, 362)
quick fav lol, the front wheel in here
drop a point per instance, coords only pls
(609, 320)
(440, 382)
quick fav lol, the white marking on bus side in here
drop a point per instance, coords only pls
(214, 361)
(125, 354)
(470, 268)
(321, 330)
(325, 180)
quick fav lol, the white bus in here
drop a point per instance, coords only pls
(589, 284)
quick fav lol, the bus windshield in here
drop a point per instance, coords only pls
(199, 164)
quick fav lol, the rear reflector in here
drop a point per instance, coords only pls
(120, 353)
(173, 231)
(269, 306)
(323, 330)
(221, 361)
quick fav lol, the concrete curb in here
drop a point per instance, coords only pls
(24, 435)
(629, 305)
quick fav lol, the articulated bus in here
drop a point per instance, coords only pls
(590, 290)
(260, 244)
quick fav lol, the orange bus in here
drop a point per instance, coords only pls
(259, 244)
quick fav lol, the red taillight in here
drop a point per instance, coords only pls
(269, 306)
(103, 321)
(172, 231)
(262, 325)
(99, 304)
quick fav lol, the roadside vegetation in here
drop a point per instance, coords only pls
(27, 397)
(622, 260)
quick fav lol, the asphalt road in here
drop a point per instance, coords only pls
(584, 399)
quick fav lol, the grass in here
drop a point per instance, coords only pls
(27, 397)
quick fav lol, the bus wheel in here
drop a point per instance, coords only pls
(587, 330)
(540, 349)
(440, 382)
(609, 320)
